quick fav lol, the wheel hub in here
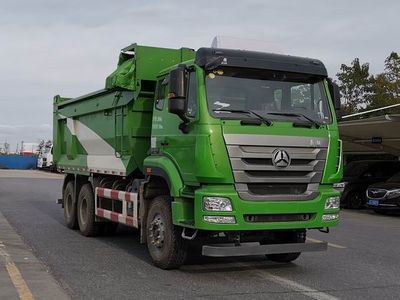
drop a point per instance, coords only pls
(157, 231)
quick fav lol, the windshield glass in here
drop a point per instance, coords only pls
(276, 95)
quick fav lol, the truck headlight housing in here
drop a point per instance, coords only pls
(330, 217)
(332, 203)
(339, 185)
(220, 219)
(217, 204)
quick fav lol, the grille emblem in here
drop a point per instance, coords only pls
(280, 159)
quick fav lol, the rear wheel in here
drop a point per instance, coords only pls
(164, 242)
(286, 237)
(85, 211)
(70, 206)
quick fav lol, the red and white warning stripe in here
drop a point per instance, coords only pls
(126, 198)
(115, 194)
(116, 217)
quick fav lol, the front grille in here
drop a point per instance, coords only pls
(277, 188)
(265, 161)
(278, 218)
(376, 193)
(277, 173)
(256, 176)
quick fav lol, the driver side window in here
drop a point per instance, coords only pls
(192, 107)
(161, 93)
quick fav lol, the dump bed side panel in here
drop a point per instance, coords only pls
(106, 133)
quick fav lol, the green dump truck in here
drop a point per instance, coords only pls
(216, 152)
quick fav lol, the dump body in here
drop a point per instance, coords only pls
(108, 131)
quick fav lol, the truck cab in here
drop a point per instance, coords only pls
(258, 130)
(254, 139)
(45, 158)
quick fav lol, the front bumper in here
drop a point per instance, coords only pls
(223, 250)
(242, 209)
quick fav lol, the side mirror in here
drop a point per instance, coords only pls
(335, 94)
(177, 96)
(177, 92)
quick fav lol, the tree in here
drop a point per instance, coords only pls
(392, 68)
(386, 87)
(355, 85)
(392, 74)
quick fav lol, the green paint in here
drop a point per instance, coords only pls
(170, 169)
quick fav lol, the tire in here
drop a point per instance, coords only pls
(70, 211)
(164, 242)
(85, 211)
(355, 200)
(287, 237)
(284, 257)
(380, 211)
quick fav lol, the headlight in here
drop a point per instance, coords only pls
(217, 204)
(332, 202)
(220, 219)
(339, 185)
(393, 193)
(330, 217)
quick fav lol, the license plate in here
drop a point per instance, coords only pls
(373, 202)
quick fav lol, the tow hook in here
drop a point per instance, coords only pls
(189, 237)
(326, 230)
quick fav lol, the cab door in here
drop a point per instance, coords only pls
(167, 138)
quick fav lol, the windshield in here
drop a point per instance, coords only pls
(277, 95)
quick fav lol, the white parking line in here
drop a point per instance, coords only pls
(292, 285)
(329, 244)
(298, 287)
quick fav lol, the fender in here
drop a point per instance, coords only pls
(164, 167)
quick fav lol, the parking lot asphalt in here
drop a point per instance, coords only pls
(361, 261)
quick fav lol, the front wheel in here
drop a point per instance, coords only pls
(164, 242)
(284, 257)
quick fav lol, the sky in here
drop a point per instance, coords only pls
(51, 47)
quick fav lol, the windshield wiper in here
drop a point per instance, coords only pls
(246, 111)
(317, 125)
